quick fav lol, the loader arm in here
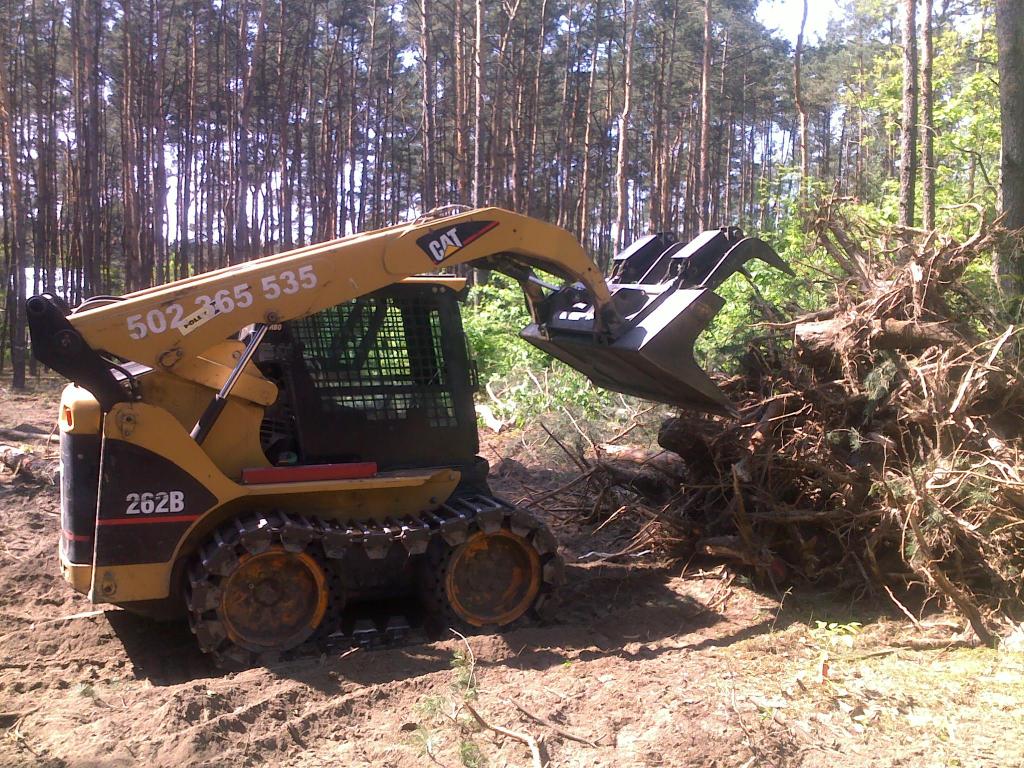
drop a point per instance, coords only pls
(634, 333)
(163, 326)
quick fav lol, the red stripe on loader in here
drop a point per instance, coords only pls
(351, 471)
(144, 520)
(481, 233)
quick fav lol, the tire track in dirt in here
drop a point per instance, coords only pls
(114, 689)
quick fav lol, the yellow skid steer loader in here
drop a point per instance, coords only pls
(286, 450)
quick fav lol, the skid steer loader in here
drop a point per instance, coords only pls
(286, 450)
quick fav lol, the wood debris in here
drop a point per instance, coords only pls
(879, 443)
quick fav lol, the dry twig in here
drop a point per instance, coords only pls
(524, 738)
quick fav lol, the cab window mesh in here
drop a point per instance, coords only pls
(379, 355)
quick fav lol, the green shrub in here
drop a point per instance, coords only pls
(518, 380)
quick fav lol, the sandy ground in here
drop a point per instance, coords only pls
(646, 664)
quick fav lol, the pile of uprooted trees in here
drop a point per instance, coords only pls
(879, 443)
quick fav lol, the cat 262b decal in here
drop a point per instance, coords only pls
(442, 244)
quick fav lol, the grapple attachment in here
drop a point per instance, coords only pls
(662, 299)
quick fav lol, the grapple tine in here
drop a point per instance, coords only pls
(650, 354)
(746, 249)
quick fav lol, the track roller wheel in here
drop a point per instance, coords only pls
(253, 595)
(494, 578)
(273, 601)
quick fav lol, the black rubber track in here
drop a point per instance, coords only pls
(431, 537)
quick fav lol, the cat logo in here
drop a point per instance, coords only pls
(443, 244)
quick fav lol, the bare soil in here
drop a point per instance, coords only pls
(647, 663)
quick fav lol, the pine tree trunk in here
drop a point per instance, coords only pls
(859, 188)
(705, 123)
(908, 127)
(129, 155)
(478, 86)
(429, 183)
(801, 109)
(536, 110)
(243, 238)
(927, 121)
(462, 163)
(622, 219)
(1010, 40)
(16, 219)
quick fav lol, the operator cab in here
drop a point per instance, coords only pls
(385, 378)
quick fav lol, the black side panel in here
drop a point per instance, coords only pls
(79, 475)
(146, 505)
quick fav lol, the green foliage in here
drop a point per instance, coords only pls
(492, 317)
(966, 109)
(845, 438)
(967, 137)
(427, 741)
(471, 756)
(465, 676)
(738, 323)
(443, 719)
(519, 380)
(879, 382)
(833, 634)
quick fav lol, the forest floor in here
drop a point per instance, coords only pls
(648, 663)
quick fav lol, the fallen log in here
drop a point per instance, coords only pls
(667, 462)
(27, 437)
(690, 437)
(820, 339)
(26, 464)
(647, 481)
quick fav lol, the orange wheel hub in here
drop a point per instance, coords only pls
(493, 578)
(273, 600)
